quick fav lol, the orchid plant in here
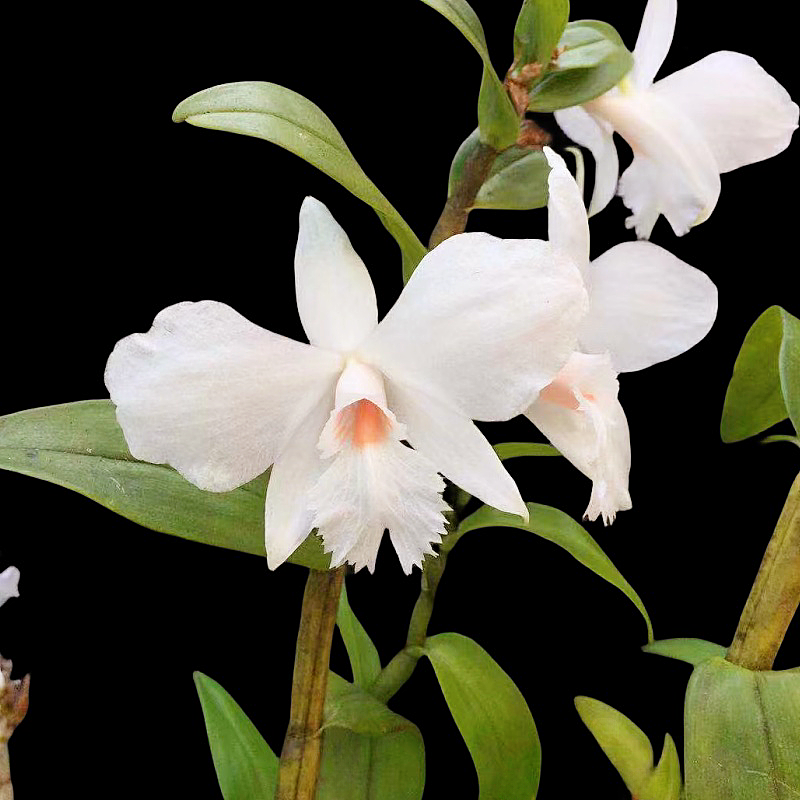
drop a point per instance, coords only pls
(225, 432)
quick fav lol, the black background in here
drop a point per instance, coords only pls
(119, 213)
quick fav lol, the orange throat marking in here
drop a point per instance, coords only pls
(362, 423)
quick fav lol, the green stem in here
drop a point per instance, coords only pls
(775, 595)
(302, 747)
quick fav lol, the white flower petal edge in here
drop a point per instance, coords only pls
(581, 415)
(213, 395)
(484, 322)
(567, 223)
(9, 584)
(483, 325)
(721, 113)
(646, 306)
(598, 136)
(335, 295)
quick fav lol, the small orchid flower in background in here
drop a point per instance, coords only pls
(645, 306)
(718, 114)
(9, 584)
(481, 327)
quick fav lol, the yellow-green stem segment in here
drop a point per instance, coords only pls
(775, 595)
(302, 747)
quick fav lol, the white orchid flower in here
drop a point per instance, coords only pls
(714, 116)
(9, 584)
(481, 327)
(645, 306)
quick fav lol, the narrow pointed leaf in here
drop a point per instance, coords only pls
(491, 715)
(246, 767)
(561, 529)
(538, 30)
(364, 659)
(81, 447)
(592, 60)
(497, 120)
(742, 736)
(692, 651)
(283, 117)
(627, 748)
(779, 437)
(665, 781)
(506, 450)
(368, 751)
(765, 386)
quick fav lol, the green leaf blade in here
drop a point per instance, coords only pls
(80, 446)
(539, 27)
(692, 651)
(506, 450)
(246, 767)
(593, 59)
(558, 528)
(765, 386)
(497, 120)
(491, 715)
(364, 659)
(368, 751)
(279, 115)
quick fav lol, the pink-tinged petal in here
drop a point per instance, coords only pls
(598, 136)
(213, 395)
(288, 518)
(457, 449)
(484, 322)
(744, 113)
(335, 295)
(567, 223)
(654, 40)
(674, 171)
(646, 306)
(9, 584)
(372, 481)
(582, 417)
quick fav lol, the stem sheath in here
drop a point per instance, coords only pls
(302, 747)
(775, 595)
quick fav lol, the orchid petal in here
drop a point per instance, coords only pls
(654, 40)
(288, 519)
(567, 223)
(457, 448)
(9, 584)
(646, 306)
(744, 113)
(483, 322)
(581, 415)
(335, 295)
(597, 135)
(674, 171)
(213, 395)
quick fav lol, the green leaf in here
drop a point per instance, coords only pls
(779, 437)
(629, 750)
(246, 768)
(497, 119)
(593, 60)
(561, 529)
(692, 651)
(283, 117)
(742, 736)
(765, 386)
(364, 659)
(491, 715)
(368, 751)
(538, 30)
(506, 450)
(81, 447)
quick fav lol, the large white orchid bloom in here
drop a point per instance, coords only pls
(645, 306)
(716, 115)
(9, 584)
(482, 326)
